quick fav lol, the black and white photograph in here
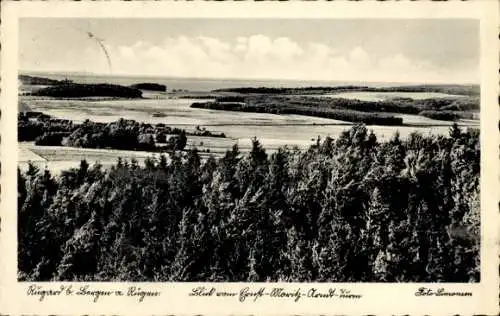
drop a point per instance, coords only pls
(248, 150)
(249, 158)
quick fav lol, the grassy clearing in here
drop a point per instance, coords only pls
(57, 158)
(177, 111)
(60, 153)
(382, 96)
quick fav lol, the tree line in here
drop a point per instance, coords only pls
(350, 209)
(149, 86)
(471, 90)
(70, 89)
(308, 109)
(352, 110)
(35, 80)
(121, 134)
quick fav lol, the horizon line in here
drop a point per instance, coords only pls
(83, 73)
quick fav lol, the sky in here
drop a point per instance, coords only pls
(384, 50)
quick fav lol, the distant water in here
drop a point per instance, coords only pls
(204, 84)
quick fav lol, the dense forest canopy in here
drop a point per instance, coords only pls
(352, 110)
(80, 90)
(150, 86)
(351, 209)
(308, 109)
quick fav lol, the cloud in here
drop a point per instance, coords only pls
(359, 58)
(261, 57)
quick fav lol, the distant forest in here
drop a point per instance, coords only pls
(351, 209)
(150, 86)
(308, 110)
(471, 90)
(358, 111)
(76, 88)
(35, 80)
(80, 90)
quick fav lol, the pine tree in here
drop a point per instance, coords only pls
(80, 253)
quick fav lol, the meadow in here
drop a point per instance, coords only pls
(174, 109)
(382, 96)
(60, 158)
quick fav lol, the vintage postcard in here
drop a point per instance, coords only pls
(197, 158)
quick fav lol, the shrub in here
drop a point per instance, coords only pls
(177, 142)
(51, 139)
(440, 115)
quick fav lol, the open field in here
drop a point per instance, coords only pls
(422, 121)
(177, 111)
(382, 96)
(58, 158)
(173, 109)
(272, 130)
